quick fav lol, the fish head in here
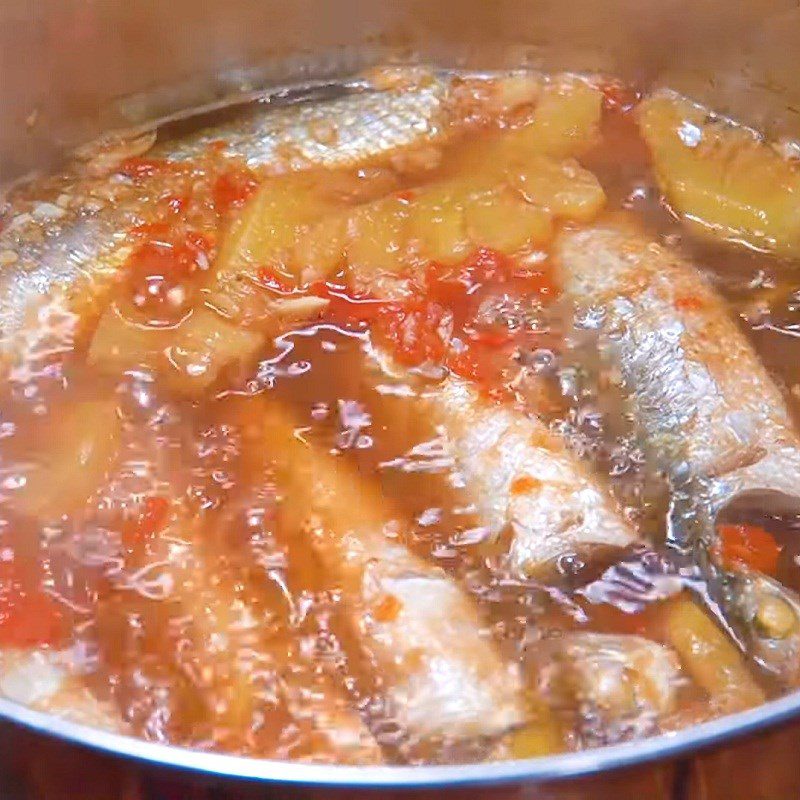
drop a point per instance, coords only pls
(766, 616)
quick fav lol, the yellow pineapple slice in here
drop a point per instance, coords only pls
(503, 221)
(723, 180)
(437, 223)
(377, 235)
(562, 187)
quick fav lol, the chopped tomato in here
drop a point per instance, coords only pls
(387, 609)
(748, 546)
(28, 616)
(349, 308)
(232, 188)
(151, 518)
(524, 484)
(199, 242)
(689, 303)
(276, 281)
(461, 288)
(419, 331)
(162, 263)
(443, 327)
(479, 365)
(491, 337)
(138, 167)
(30, 619)
(453, 285)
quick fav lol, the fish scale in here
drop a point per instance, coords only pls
(335, 133)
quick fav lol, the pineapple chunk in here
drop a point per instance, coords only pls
(505, 222)
(266, 231)
(437, 223)
(562, 187)
(321, 250)
(188, 357)
(203, 346)
(565, 123)
(722, 179)
(709, 656)
(567, 118)
(377, 236)
(118, 344)
(540, 736)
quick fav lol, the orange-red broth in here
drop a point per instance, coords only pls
(490, 317)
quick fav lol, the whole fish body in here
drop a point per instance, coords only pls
(702, 399)
(443, 678)
(524, 482)
(708, 413)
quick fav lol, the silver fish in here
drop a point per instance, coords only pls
(521, 478)
(709, 415)
(525, 481)
(443, 680)
(243, 666)
(328, 132)
(49, 244)
(702, 399)
(617, 686)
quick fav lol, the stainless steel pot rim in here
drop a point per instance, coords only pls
(544, 769)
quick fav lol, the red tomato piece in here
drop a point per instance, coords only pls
(418, 331)
(524, 484)
(748, 546)
(349, 308)
(231, 189)
(28, 616)
(276, 281)
(689, 303)
(150, 520)
(491, 337)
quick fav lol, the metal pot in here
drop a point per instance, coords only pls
(75, 68)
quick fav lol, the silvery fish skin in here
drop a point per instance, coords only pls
(442, 677)
(619, 686)
(522, 480)
(709, 415)
(219, 613)
(702, 400)
(331, 133)
(47, 246)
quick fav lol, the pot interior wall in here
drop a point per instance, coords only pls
(74, 68)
